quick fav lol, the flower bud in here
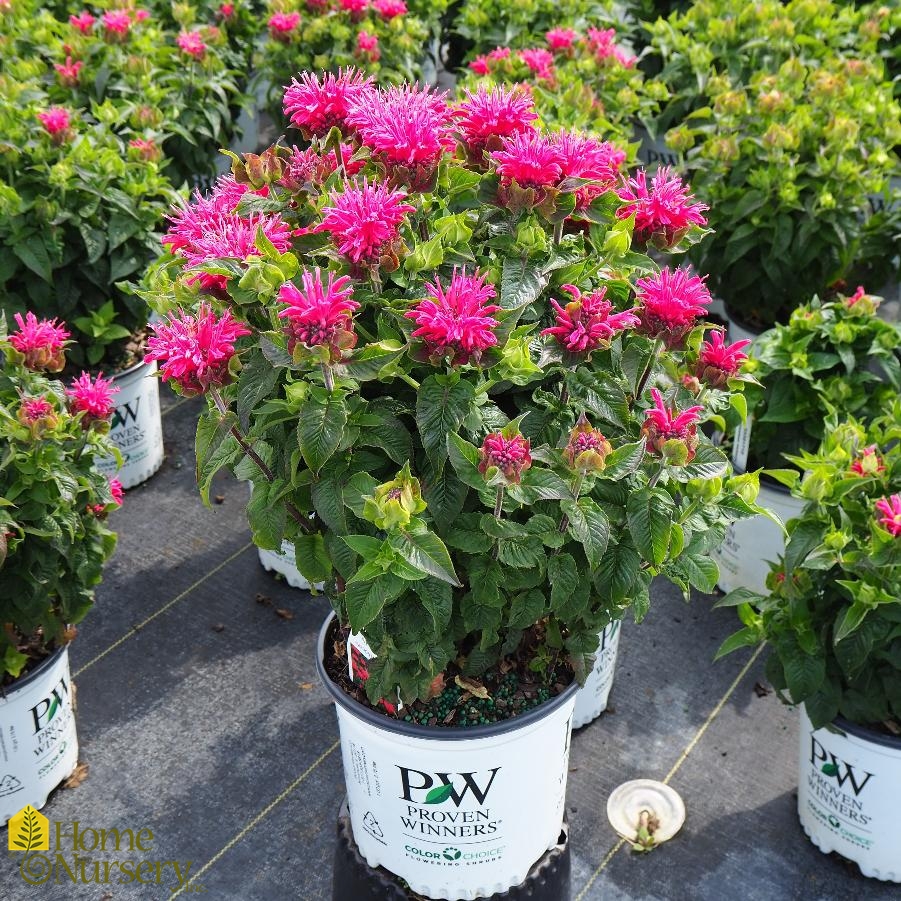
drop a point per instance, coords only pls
(394, 503)
(587, 449)
(813, 486)
(506, 454)
(746, 486)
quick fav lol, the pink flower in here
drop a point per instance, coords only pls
(368, 45)
(141, 15)
(671, 301)
(227, 10)
(94, 399)
(42, 341)
(84, 21)
(587, 448)
(602, 45)
(115, 489)
(56, 121)
(890, 508)
(664, 213)
(116, 23)
(530, 159)
(281, 25)
(480, 65)
(316, 106)
(861, 302)
(671, 434)
(364, 221)
(408, 130)
(190, 223)
(195, 351)
(561, 38)
(317, 5)
(539, 61)
(191, 43)
(499, 53)
(490, 114)
(38, 415)
(585, 157)
(512, 456)
(356, 8)
(68, 72)
(319, 314)
(146, 149)
(868, 462)
(457, 322)
(308, 166)
(588, 322)
(718, 361)
(389, 9)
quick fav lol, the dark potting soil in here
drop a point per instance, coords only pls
(512, 688)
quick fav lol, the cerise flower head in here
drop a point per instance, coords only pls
(92, 398)
(57, 123)
(456, 323)
(116, 24)
(191, 43)
(664, 212)
(368, 46)
(528, 164)
(587, 448)
(195, 350)
(588, 323)
(41, 341)
(511, 455)
(890, 508)
(670, 303)
(585, 157)
(282, 26)
(309, 167)
(490, 114)
(390, 9)
(603, 45)
(561, 38)
(84, 22)
(718, 362)
(671, 434)
(364, 221)
(190, 222)
(408, 129)
(38, 415)
(319, 315)
(316, 105)
(539, 61)
(868, 462)
(67, 72)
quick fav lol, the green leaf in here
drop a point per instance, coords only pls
(439, 793)
(437, 597)
(464, 458)
(740, 596)
(358, 486)
(709, 463)
(328, 501)
(390, 435)
(368, 362)
(266, 520)
(852, 619)
(214, 447)
(649, 512)
(624, 460)
(33, 253)
(322, 418)
(805, 537)
(588, 524)
(364, 545)
(444, 493)
(426, 552)
(256, 382)
(743, 638)
(804, 673)
(365, 600)
(526, 609)
(312, 558)
(443, 402)
(540, 485)
(563, 574)
(521, 284)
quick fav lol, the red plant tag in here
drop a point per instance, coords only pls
(358, 656)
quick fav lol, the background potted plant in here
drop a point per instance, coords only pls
(834, 357)
(787, 140)
(832, 618)
(80, 213)
(417, 386)
(54, 540)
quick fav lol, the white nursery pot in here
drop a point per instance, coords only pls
(137, 426)
(849, 795)
(285, 563)
(591, 698)
(750, 544)
(38, 745)
(502, 811)
(654, 151)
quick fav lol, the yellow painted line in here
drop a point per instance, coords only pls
(135, 629)
(255, 821)
(677, 765)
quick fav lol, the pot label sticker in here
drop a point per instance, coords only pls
(740, 445)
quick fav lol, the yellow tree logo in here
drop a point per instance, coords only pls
(29, 830)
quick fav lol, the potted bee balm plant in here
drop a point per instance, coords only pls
(54, 540)
(465, 407)
(833, 619)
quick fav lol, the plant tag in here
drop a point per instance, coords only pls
(359, 653)
(741, 444)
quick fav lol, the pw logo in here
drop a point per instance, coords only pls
(124, 413)
(830, 765)
(29, 831)
(440, 786)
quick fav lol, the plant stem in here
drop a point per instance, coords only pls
(486, 386)
(424, 230)
(376, 277)
(652, 359)
(498, 509)
(293, 512)
(328, 378)
(656, 477)
(558, 232)
(576, 490)
(409, 380)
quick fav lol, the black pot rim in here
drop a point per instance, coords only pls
(124, 373)
(33, 674)
(867, 734)
(736, 318)
(415, 730)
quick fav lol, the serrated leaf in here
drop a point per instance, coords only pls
(442, 403)
(365, 600)
(312, 559)
(649, 513)
(322, 418)
(624, 460)
(437, 597)
(563, 574)
(214, 447)
(709, 463)
(588, 524)
(426, 552)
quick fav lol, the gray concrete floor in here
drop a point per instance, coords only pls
(200, 718)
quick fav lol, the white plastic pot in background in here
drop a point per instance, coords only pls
(653, 151)
(137, 426)
(285, 563)
(591, 698)
(459, 813)
(38, 745)
(849, 795)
